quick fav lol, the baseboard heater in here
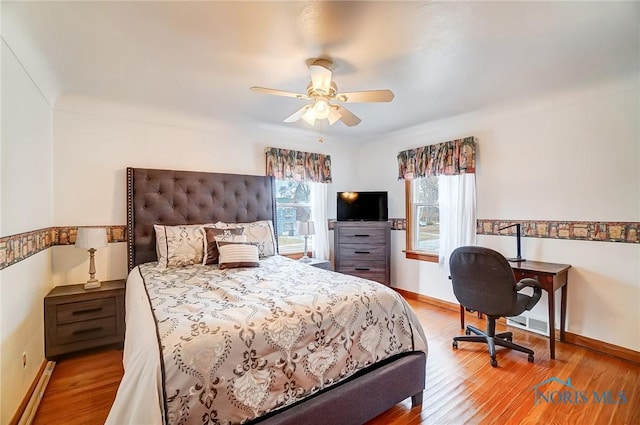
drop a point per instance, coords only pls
(36, 397)
(530, 323)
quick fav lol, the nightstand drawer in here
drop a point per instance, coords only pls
(85, 310)
(359, 252)
(86, 330)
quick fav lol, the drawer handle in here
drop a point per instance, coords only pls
(361, 236)
(86, 331)
(362, 269)
(362, 252)
(87, 310)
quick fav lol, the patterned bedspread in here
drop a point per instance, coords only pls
(239, 343)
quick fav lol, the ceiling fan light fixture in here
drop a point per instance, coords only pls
(309, 116)
(321, 109)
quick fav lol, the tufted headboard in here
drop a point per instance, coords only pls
(188, 197)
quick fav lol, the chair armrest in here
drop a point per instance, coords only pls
(537, 290)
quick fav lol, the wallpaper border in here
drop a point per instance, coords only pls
(603, 231)
(16, 248)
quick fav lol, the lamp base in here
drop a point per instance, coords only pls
(92, 284)
(516, 259)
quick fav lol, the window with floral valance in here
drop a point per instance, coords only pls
(441, 198)
(448, 158)
(301, 195)
(286, 164)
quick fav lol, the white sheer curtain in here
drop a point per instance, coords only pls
(457, 202)
(319, 217)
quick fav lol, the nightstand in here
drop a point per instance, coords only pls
(76, 318)
(321, 264)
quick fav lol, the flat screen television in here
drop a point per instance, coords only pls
(362, 206)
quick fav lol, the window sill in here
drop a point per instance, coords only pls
(421, 255)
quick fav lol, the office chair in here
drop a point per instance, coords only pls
(484, 281)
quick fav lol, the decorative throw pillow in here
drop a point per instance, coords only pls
(258, 232)
(214, 235)
(237, 254)
(179, 246)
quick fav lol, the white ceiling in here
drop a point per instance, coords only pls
(439, 58)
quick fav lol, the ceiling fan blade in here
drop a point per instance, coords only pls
(366, 96)
(278, 92)
(298, 114)
(347, 117)
(334, 115)
(320, 78)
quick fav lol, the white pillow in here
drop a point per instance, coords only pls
(257, 232)
(237, 254)
(179, 246)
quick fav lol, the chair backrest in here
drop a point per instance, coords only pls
(483, 280)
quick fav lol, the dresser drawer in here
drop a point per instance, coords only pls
(359, 252)
(86, 330)
(373, 270)
(85, 310)
(356, 235)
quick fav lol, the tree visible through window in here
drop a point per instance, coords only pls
(425, 215)
(293, 203)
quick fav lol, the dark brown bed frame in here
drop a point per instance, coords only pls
(187, 197)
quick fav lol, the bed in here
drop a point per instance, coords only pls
(318, 385)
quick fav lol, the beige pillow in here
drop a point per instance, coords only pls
(237, 254)
(258, 232)
(213, 235)
(179, 246)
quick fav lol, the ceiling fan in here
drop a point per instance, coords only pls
(322, 91)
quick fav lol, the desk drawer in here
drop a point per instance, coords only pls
(543, 278)
(85, 310)
(86, 330)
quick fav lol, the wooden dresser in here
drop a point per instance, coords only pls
(362, 248)
(76, 318)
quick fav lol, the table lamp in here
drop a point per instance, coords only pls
(91, 238)
(305, 229)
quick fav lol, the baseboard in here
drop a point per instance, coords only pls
(25, 400)
(569, 338)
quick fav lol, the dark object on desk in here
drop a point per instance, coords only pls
(518, 256)
(484, 281)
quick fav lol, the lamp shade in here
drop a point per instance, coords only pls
(305, 228)
(91, 237)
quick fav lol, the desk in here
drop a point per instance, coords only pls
(551, 276)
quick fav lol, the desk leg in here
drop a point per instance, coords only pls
(552, 323)
(563, 310)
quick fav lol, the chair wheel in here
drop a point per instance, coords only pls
(509, 338)
(494, 362)
(467, 332)
(530, 358)
(455, 344)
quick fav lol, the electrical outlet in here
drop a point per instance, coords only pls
(24, 360)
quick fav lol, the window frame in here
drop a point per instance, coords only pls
(410, 251)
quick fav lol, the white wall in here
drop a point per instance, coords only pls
(574, 156)
(95, 141)
(26, 205)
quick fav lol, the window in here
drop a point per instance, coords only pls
(423, 213)
(426, 226)
(293, 203)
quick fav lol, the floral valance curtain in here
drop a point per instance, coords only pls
(448, 158)
(285, 164)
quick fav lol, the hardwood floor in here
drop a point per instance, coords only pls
(462, 388)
